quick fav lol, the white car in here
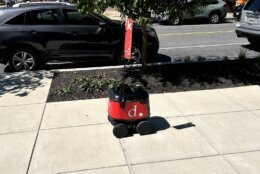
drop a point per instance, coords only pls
(28, 3)
(249, 26)
(214, 12)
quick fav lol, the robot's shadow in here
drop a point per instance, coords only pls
(157, 123)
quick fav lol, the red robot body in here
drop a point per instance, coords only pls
(133, 110)
(129, 107)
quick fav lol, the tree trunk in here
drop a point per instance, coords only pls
(144, 44)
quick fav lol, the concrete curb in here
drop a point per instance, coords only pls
(183, 61)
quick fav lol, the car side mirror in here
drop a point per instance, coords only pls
(102, 24)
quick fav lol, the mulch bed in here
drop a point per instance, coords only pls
(164, 78)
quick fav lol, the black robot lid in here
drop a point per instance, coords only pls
(130, 93)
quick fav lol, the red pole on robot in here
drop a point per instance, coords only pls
(128, 38)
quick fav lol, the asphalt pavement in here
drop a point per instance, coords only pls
(193, 40)
(204, 40)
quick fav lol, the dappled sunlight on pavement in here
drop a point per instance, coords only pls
(33, 85)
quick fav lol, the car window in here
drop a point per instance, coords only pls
(103, 17)
(43, 17)
(73, 17)
(18, 20)
(253, 5)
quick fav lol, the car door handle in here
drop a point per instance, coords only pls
(33, 32)
(72, 33)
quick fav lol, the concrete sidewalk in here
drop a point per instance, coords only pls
(210, 131)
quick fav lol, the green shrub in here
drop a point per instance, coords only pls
(63, 90)
(187, 59)
(242, 54)
(100, 75)
(80, 80)
(96, 85)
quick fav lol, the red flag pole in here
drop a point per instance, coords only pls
(128, 38)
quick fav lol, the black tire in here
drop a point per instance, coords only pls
(119, 56)
(120, 131)
(253, 41)
(27, 58)
(214, 18)
(175, 21)
(143, 128)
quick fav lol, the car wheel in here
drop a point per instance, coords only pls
(214, 18)
(135, 58)
(23, 59)
(253, 41)
(175, 21)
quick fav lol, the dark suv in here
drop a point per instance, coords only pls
(30, 36)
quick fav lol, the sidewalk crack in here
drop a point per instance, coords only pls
(37, 135)
(130, 168)
(236, 170)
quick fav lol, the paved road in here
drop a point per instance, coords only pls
(202, 40)
(196, 40)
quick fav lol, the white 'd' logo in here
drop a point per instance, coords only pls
(132, 112)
